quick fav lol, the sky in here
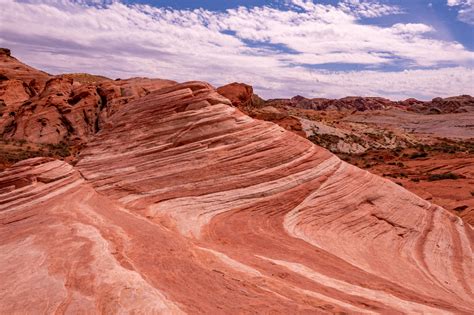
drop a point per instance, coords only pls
(334, 48)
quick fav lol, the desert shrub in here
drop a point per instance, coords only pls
(324, 140)
(357, 139)
(61, 149)
(434, 177)
(452, 146)
(417, 155)
(13, 156)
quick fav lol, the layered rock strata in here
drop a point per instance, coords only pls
(185, 204)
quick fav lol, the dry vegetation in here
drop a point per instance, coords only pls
(12, 151)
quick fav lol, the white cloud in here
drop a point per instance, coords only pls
(356, 8)
(370, 9)
(412, 28)
(267, 47)
(466, 10)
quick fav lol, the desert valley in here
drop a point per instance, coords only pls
(152, 196)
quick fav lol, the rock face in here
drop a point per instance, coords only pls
(18, 82)
(185, 204)
(240, 94)
(40, 108)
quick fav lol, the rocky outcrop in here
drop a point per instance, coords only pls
(346, 103)
(279, 117)
(69, 108)
(240, 94)
(60, 112)
(195, 207)
(456, 104)
(16, 78)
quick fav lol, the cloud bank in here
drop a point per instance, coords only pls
(301, 48)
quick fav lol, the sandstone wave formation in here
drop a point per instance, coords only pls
(183, 204)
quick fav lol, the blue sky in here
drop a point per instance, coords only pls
(392, 48)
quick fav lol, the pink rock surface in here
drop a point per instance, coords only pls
(185, 204)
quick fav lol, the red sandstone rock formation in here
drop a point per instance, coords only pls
(39, 108)
(456, 104)
(18, 82)
(11, 69)
(347, 103)
(279, 117)
(185, 204)
(240, 94)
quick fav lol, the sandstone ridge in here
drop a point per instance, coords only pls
(195, 207)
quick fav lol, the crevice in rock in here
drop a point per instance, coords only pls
(388, 221)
